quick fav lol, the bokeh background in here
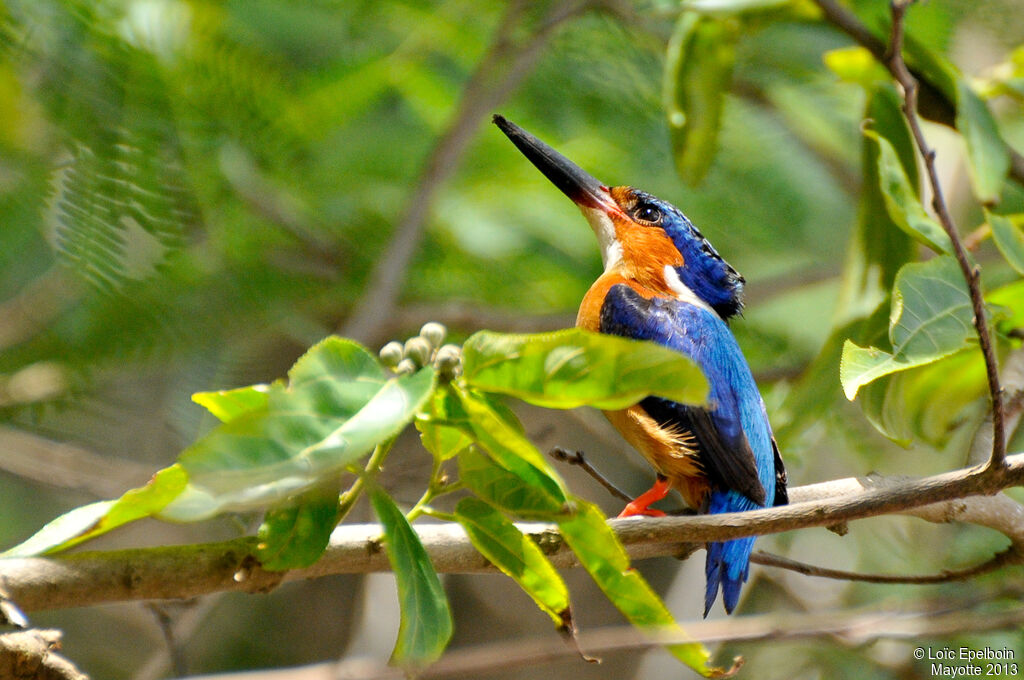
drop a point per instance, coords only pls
(192, 193)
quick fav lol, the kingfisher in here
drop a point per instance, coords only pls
(664, 282)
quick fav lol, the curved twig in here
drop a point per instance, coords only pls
(939, 108)
(972, 275)
(1007, 557)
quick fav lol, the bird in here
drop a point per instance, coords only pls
(664, 282)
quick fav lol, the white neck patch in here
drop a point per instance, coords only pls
(683, 292)
(604, 229)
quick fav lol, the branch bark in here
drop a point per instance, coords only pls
(90, 578)
(33, 654)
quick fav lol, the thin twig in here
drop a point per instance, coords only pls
(972, 274)
(577, 458)
(998, 561)
(939, 108)
(165, 622)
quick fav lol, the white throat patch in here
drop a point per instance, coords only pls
(604, 229)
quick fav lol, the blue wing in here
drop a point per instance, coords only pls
(735, 444)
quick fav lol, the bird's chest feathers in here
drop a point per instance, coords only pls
(645, 260)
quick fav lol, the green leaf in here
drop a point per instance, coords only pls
(879, 246)
(444, 424)
(294, 534)
(988, 158)
(514, 491)
(517, 556)
(883, 403)
(426, 624)
(601, 554)
(901, 199)
(1009, 238)
(511, 450)
(856, 64)
(1010, 299)
(574, 367)
(90, 521)
(229, 404)
(931, 317)
(698, 73)
(339, 404)
(927, 402)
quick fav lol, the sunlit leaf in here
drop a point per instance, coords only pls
(95, 519)
(1010, 300)
(901, 199)
(339, 404)
(601, 554)
(856, 64)
(443, 425)
(574, 367)
(931, 317)
(698, 73)
(510, 450)
(229, 404)
(517, 556)
(426, 624)
(294, 534)
(508, 489)
(1009, 238)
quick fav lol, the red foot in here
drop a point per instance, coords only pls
(640, 505)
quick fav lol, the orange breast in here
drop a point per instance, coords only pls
(672, 454)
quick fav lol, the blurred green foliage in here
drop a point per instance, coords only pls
(193, 193)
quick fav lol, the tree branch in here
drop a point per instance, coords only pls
(499, 72)
(33, 654)
(972, 275)
(187, 571)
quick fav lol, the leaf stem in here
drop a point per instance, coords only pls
(348, 499)
(438, 486)
(893, 60)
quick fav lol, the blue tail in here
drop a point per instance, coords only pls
(728, 563)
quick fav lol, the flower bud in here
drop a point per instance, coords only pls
(434, 333)
(391, 353)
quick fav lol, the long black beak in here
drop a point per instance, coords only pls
(584, 190)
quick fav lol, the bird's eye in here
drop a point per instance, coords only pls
(645, 212)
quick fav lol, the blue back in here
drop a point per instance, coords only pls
(737, 416)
